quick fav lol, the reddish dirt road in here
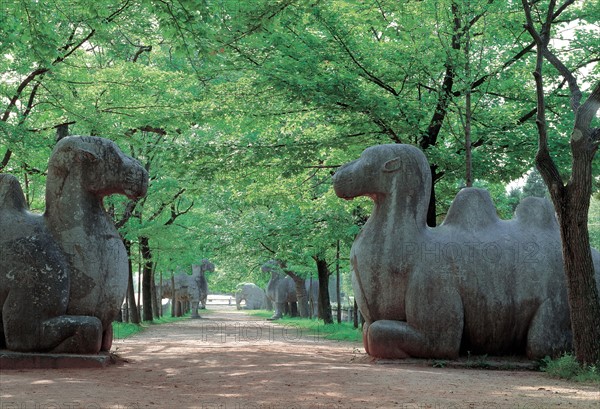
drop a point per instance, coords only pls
(232, 361)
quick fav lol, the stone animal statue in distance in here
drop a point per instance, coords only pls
(63, 274)
(281, 290)
(475, 283)
(254, 296)
(199, 274)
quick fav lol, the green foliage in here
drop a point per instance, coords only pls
(594, 222)
(344, 331)
(242, 110)
(534, 185)
(122, 330)
(567, 367)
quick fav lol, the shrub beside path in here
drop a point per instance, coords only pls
(230, 360)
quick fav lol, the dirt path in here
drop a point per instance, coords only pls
(232, 361)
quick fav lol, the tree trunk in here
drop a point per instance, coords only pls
(125, 308)
(468, 110)
(301, 294)
(572, 203)
(571, 200)
(146, 278)
(134, 314)
(160, 296)
(324, 302)
(355, 314)
(153, 291)
(581, 286)
(173, 296)
(431, 210)
(337, 282)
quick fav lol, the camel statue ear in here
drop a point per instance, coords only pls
(393, 165)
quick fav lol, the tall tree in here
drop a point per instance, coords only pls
(571, 199)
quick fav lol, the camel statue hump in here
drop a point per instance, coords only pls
(536, 212)
(472, 208)
(11, 194)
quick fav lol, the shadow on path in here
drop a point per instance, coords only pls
(230, 360)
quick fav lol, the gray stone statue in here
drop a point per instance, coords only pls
(191, 291)
(281, 290)
(63, 274)
(188, 291)
(199, 272)
(476, 283)
(254, 296)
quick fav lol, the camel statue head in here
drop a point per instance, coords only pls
(272, 267)
(383, 170)
(102, 168)
(206, 265)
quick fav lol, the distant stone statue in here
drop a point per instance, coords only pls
(476, 283)
(281, 290)
(63, 274)
(255, 297)
(199, 272)
(191, 291)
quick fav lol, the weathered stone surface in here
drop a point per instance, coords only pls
(311, 287)
(281, 289)
(283, 292)
(476, 283)
(254, 296)
(192, 289)
(199, 272)
(63, 274)
(30, 360)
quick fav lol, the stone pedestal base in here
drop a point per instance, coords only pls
(31, 360)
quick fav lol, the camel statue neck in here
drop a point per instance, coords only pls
(401, 208)
(67, 202)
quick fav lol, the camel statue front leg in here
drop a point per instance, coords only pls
(433, 327)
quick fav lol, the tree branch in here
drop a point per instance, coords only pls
(586, 112)
(266, 247)
(65, 56)
(175, 213)
(567, 75)
(141, 49)
(165, 204)
(126, 214)
(544, 161)
(19, 91)
(5, 159)
(365, 73)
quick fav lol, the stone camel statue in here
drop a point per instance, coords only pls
(63, 274)
(475, 283)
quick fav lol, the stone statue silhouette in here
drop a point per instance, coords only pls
(476, 283)
(63, 274)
